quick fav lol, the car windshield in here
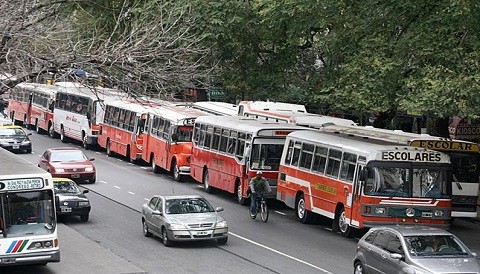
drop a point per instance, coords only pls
(435, 245)
(190, 205)
(66, 187)
(68, 156)
(12, 132)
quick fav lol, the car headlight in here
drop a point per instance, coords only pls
(85, 203)
(221, 224)
(59, 170)
(89, 169)
(24, 142)
(177, 227)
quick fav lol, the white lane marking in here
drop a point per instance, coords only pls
(280, 253)
(281, 213)
(97, 152)
(144, 167)
(103, 182)
(120, 160)
(117, 187)
(131, 193)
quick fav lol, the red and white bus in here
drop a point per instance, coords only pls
(359, 182)
(122, 128)
(288, 113)
(464, 156)
(229, 150)
(32, 105)
(79, 110)
(167, 143)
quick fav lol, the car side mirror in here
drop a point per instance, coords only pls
(157, 212)
(86, 191)
(91, 159)
(396, 256)
(218, 209)
(474, 254)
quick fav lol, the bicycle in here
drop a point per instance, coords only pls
(262, 206)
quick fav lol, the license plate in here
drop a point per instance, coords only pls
(202, 232)
(16, 146)
(75, 175)
(9, 260)
(65, 209)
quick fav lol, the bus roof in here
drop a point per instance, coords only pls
(374, 149)
(271, 106)
(217, 108)
(42, 88)
(131, 105)
(246, 124)
(14, 166)
(100, 93)
(407, 138)
(178, 112)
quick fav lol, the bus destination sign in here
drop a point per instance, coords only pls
(415, 156)
(21, 184)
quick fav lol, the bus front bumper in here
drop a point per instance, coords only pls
(31, 258)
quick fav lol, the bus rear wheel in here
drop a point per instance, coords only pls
(303, 215)
(109, 149)
(155, 168)
(206, 184)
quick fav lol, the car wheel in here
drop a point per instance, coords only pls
(93, 180)
(146, 232)
(303, 215)
(166, 241)
(84, 217)
(222, 241)
(176, 172)
(240, 199)
(28, 150)
(206, 185)
(341, 225)
(63, 138)
(358, 268)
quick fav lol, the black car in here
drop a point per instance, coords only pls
(70, 200)
(15, 139)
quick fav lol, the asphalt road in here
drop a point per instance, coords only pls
(282, 245)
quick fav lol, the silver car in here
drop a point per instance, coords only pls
(413, 249)
(183, 218)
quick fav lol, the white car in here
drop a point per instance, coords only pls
(183, 218)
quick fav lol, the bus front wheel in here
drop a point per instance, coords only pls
(340, 224)
(206, 184)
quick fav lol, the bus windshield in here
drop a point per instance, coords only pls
(401, 181)
(266, 156)
(27, 213)
(465, 167)
(184, 133)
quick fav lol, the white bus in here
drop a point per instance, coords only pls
(28, 224)
(79, 110)
(464, 156)
(288, 113)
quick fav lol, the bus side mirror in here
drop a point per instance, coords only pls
(363, 175)
(174, 137)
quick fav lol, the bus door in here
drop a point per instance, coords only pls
(359, 182)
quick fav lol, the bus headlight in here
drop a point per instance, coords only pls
(439, 213)
(380, 210)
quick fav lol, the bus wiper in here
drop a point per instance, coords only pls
(456, 182)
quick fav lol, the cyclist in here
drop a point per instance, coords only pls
(259, 187)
